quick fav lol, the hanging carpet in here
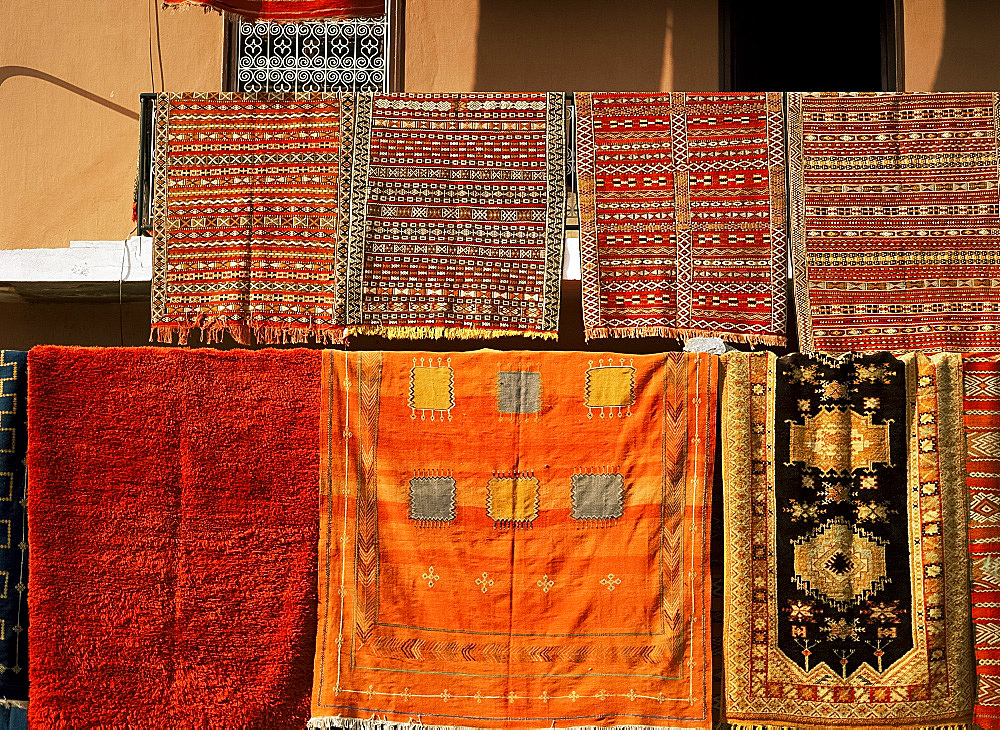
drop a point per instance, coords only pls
(289, 10)
(246, 216)
(13, 527)
(287, 217)
(895, 217)
(174, 528)
(982, 431)
(847, 587)
(682, 215)
(551, 571)
(463, 198)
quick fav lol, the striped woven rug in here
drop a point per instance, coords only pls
(682, 215)
(895, 214)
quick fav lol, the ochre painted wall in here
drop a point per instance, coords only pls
(951, 45)
(71, 72)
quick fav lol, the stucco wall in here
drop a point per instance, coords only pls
(499, 45)
(951, 45)
(71, 72)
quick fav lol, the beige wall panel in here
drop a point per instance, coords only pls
(440, 52)
(504, 45)
(71, 72)
(951, 45)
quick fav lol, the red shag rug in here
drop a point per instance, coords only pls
(173, 515)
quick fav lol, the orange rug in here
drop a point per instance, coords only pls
(514, 539)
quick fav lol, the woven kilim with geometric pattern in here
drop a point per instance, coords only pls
(682, 215)
(246, 217)
(847, 585)
(895, 217)
(551, 572)
(982, 433)
(285, 217)
(289, 10)
(463, 201)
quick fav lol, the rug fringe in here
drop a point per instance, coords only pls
(20, 704)
(455, 333)
(679, 333)
(377, 723)
(215, 332)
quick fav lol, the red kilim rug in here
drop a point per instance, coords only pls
(245, 216)
(174, 527)
(982, 432)
(895, 216)
(464, 215)
(682, 215)
(290, 9)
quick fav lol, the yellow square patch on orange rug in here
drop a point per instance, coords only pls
(479, 569)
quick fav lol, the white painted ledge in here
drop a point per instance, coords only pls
(91, 270)
(90, 261)
(571, 259)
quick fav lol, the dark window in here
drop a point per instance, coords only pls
(808, 45)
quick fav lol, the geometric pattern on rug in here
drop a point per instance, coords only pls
(563, 579)
(982, 427)
(682, 215)
(847, 593)
(895, 214)
(463, 201)
(13, 526)
(246, 218)
(286, 217)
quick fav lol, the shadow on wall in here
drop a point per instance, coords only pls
(9, 72)
(542, 45)
(970, 54)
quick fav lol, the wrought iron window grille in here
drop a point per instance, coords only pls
(341, 55)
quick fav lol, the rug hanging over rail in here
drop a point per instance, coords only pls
(463, 198)
(289, 10)
(551, 571)
(982, 431)
(13, 528)
(283, 217)
(895, 216)
(682, 215)
(173, 517)
(246, 216)
(847, 588)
